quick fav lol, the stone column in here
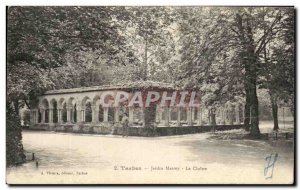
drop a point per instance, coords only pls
(222, 115)
(143, 116)
(231, 108)
(193, 114)
(178, 116)
(209, 116)
(130, 114)
(237, 114)
(83, 115)
(51, 115)
(36, 116)
(95, 114)
(167, 116)
(69, 115)
(160, 114)
(31, 117)
(243, 112)
(78, 115)
(43, 114)
(199, 116)
(105, 112)
(32, 120)
(72, 115)
(189, 116)
(117, 110)
(225, 115)
(156, 114)
(250, 119)
(59, 115)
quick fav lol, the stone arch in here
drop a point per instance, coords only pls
(85, 100)
(44, 111)
(86, 104)
(96, 100)
(98, 107)
(61, 102)
(44, 103)
(71, 101)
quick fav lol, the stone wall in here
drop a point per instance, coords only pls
(134, 131)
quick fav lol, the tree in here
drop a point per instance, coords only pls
(278, 65)
(244, 32)
(150, 42)
(36, 45)
(208, 57)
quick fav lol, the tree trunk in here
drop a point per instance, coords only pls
(274, 111)
(254, 113)
(247, 84)
(247, 112)
(249, 59)
(252, 76)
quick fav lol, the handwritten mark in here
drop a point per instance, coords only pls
(269, 166)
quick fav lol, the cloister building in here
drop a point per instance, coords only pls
(80, 110)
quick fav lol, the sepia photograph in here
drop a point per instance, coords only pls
(150, 95)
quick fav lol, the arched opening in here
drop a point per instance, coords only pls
(45, 106)
(46, 115)
(137, 114)
(123, 110)
(101, 113)
(96, 102)
(53, 105)
(149, 115)
(195, 114)
(74, 114)
(173, 113)
(86, 103)
(88, 112)
(39, 116)
(183, 114)
(73, 111)
(111, 114)
(165, 113)
(64, 112)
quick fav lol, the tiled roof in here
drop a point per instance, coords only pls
(139, 85)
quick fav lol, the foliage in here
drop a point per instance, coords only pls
(222, 50)
(225, 52)
(14, 147)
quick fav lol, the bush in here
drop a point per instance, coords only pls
(14, 147)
